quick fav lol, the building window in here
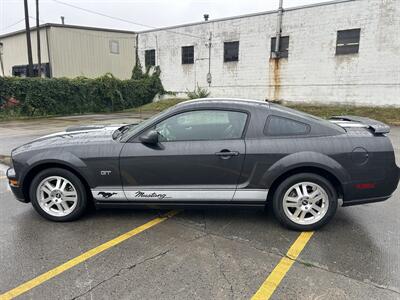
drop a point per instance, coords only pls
(114, 47)
(187, 55)
(150, 58)
(231, 51)
(348, 41)
(283, 47)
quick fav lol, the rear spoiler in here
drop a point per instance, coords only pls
(376, 126)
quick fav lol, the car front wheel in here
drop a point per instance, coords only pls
(305, 202)
(58, 195)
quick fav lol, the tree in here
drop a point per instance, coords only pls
(137, 72)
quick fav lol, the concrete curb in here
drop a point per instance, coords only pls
(5, 159)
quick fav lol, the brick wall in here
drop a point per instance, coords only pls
(311, 73)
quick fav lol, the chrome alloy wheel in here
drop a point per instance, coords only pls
(57, 196)
(305, 203)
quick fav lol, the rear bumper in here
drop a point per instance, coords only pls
(365, 201)
(371, 190)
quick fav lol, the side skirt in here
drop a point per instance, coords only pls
(176, 204)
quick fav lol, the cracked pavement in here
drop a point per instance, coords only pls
(202, 254)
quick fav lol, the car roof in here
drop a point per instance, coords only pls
(224, 101)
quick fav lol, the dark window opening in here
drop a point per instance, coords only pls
(283, 47)
(150, 58)
(22, 70)
(231, 51)
(188, 55)
(280, 126)
(348, 41)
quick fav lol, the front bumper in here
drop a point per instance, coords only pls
(16, 189)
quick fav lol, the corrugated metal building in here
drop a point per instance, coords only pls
(70, 51)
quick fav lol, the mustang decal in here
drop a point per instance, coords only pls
(106, 195)
(140, 194)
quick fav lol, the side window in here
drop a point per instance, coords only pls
(280, 126)
(203, 125)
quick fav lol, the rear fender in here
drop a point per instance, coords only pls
(305, 159)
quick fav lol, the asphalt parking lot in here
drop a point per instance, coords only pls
(18, 132)
(198, 254)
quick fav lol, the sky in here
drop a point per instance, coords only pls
(133, 15)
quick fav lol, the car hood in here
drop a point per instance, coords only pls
(79, 135)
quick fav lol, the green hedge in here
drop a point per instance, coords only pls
(61, 96)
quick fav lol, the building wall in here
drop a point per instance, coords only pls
(312, 72)
(80, 52)
(15, 53)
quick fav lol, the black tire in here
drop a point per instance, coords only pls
(81, 205)
(278, 196)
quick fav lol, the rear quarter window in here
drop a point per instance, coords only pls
(281, 126)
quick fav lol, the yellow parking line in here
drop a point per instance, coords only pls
(278, 273)
(23, 288)
(3, 177)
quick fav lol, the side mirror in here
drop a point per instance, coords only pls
(150, 138)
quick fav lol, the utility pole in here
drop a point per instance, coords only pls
(28, 40)
(38, 40)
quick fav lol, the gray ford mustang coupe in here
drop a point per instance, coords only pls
(210, 152)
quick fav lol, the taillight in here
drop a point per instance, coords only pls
(365, 186)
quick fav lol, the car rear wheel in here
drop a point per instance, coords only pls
(305, 202)
(58, 195)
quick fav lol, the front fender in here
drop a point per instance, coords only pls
(305, 159)
(50, 157)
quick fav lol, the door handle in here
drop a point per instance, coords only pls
(226, 153)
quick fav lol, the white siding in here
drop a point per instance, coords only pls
(15, 53)
(312, 73)
(78, 52)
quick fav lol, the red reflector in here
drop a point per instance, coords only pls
(365, 186)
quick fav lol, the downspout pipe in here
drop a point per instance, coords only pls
(1, 59)
(137, 49)
(209, 60)
(279, 28)
(49, 53)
